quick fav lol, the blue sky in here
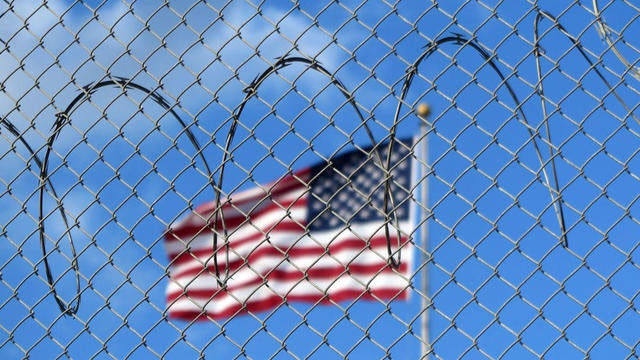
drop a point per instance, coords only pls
(500, 281)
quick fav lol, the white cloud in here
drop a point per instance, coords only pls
(63, 54)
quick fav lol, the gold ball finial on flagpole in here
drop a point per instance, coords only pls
(423, 110)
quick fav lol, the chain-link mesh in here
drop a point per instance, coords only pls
(121, 118)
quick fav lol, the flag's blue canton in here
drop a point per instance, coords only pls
(351, 189)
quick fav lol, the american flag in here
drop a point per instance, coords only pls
(316, 235)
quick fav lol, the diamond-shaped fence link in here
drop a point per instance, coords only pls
(516, 235)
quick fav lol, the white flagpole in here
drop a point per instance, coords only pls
(423, 112)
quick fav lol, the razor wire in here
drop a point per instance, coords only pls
(531, 142)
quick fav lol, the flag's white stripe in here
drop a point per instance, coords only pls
(250, 197)
(256, 226)
(297, 212)
(246, 210)
(284, 239)
(300, 177)
(224, 301)
(342, 257)
(183, 275)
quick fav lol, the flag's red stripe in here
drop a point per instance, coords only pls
(273, 193)
(188, 231)
(355, 244)
(283, 226)
(277, 188)
(276, 300)
(292, 276)
(218, 294)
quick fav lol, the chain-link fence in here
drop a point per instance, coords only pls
(514, 236)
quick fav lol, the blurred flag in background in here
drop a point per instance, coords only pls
(316, 235)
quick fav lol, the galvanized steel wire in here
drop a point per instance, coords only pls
(118, 118)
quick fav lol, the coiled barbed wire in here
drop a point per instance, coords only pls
(65, 118)
(251, 91)
(605, 32)
(461, 41)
